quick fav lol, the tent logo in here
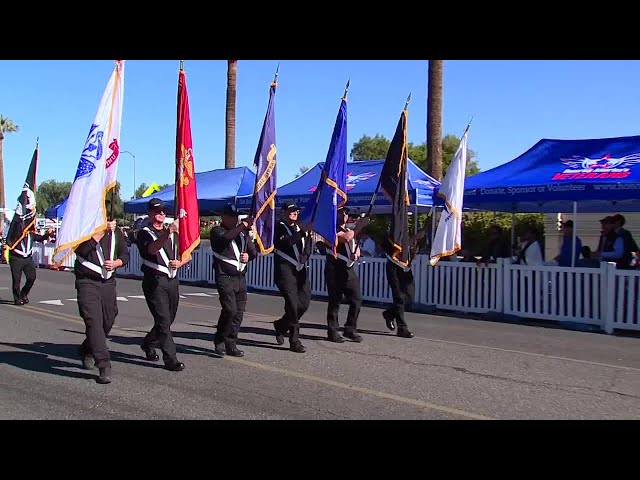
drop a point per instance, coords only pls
(352, 180)
(596, 168)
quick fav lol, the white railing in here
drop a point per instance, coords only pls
(622, 307)
(544, 292)
(605, 297)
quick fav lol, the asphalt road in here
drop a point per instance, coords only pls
(454, 368)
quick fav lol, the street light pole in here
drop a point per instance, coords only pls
(134, 173)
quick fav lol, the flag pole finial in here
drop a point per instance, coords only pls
(408, 100)
(275, 77)
(346, 89)
(181, 65)
(468, 125)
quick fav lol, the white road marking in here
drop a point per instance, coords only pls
(52, 302)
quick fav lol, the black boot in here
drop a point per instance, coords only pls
(105, 375)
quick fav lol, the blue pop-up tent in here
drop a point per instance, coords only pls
(56, 211)
(601, 175)
(362, 179)
(215, 189)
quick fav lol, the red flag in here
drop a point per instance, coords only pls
(186, 192)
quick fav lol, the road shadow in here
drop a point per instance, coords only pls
(270, 332)
(318, 326)
(208, 337)
(35, 357)
(186, 349)
(7, 302)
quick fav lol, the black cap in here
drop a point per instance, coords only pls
(154, 204)
(290, 207)
(231, 210)
(344, 210)
(568, 223)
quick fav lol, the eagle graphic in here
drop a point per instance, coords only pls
(607, 161)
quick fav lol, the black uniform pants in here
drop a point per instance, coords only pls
(19, 265)
(402, 289)
(98, 308)
(232, 292)
(342, 281)
(162, 295)
(296, 291)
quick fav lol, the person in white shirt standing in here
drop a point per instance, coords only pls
(531, 253)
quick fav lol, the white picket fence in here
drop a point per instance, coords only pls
(604, 297)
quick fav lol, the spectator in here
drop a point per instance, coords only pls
(564, 257)
(531, 253)
(498, 246)
(367, 244)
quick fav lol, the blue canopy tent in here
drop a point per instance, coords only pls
(362, 179)
(600, 175)
(215, 189)
(56, 211)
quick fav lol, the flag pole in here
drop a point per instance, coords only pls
(177, 173)
(323, 173)
(375, 193)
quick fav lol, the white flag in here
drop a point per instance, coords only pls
(85, 212)
(447, 239)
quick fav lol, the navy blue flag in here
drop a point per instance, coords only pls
(321, 210)
(393, 182)
(24, 218)
(264, 193)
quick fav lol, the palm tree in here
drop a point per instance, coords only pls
(434, 119)
(230, 143)
(6, 126)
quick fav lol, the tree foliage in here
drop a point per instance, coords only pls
(376, 147)
(50, 192)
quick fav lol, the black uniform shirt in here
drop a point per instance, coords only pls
(223, 246)
(24, 249)
(344, 250)
(144, 238)
(288, 236)
(88, 260)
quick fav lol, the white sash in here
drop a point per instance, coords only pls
(163, 254)
(100, 269)
(351, 248)
(27, 242)
(295, 262)
(236, 263)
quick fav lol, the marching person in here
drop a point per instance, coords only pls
(232, 250)
(96, 262)
(20, 260)
(293, 246)
(158, 248)
(401, 281)
(342, 280)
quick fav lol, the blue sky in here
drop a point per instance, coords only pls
(514, 104)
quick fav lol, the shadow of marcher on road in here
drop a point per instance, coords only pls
(35, 357)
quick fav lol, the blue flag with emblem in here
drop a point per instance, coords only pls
(322, 209)
(264, 193)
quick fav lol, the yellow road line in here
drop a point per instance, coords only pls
(304, 376)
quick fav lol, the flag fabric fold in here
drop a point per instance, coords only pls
(85, 213)
(322, 209)
(186, 191)
(264, 193)
(393, 183)
(448, 234)
(25, 215)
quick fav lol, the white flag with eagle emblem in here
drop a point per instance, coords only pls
(86, 213)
